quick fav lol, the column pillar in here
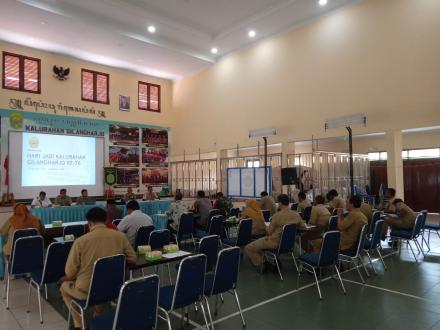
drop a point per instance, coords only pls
(394, 162)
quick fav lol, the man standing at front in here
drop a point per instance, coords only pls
(98, 243)
(133, 221)
(255, 250)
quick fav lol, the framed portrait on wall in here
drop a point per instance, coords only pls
(124, 103)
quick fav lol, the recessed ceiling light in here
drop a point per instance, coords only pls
(252, 33)
(323, 2)
(214, 50)
(151, 29)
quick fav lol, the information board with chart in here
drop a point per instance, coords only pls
(243, 182)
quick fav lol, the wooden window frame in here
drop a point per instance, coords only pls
(95, 73)
(21, 73)
(148, 108)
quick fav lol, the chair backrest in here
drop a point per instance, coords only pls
(27, 255)
(377, 234)
(209, 247)
(333, 223)
(418, 225)
(294, 206)
(329, 254)
(216, 226)
(244, 235)
(75, 230)
(307, 213)
(425, 217)
(137, 304)
(143, 236)
(362, 239)
(116, 222)
(107, 278)
(266, 215)
(19, 233)
(159, 238)
(375, 217)
(212, 213)
(190, 282)
(234, 212)
(55, 261)
(186, 225)
(287, 241)
(226, 271)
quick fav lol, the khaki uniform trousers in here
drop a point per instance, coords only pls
(68, 292)
(400, 223)
(254, 250)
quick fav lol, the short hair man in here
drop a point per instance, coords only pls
(303, 202)
(390, 196)
(41, 201)
(113, 213)
(84, 199)
(267, 203)
(255, 250)
(98, 243)
(335, 201)
(63, 199)
(133, 221)
(201, 207)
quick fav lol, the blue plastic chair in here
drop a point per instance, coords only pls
(377, 215)
(294, 207)
(209, 247)
(234, 212)
(75, 230)
(186, 228)
(373, 244)
(435, 228)
(244, 234)
(424, 227)
(27, 257)
(107, 279)
(224, 280)
(266, 215)
(158, 239)
(333, 223)
(410, 235)
(136, 308)
(52, 271)
(286, 246)
(188, 290)
(142, 236)
(327, 257)
(216, 227)
(307, 213)
(355, 256)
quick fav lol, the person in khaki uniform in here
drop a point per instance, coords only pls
(335, 201)
(319, 217)
(303, 202)
(390, 196)
(349, 226)
(63, 199)
(405, 219)
(98, 243)
(254, 250)
(367, 210)
(267, 203)
(253, 212)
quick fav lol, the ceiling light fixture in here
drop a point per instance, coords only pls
(323, 2)
(252, 34)
(151, 29)
(214, 50)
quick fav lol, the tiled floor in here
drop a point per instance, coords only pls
(406, 296)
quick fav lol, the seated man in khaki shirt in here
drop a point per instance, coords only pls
(349, 226)
(255, 250)
(335, 201)
(303, 202)
(267, 203)
(98, 243)
(319, 217)
(405, 218)
(367, 210)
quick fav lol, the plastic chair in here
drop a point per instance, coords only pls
(377, 215)
(410, 235)
(307, 213)
(209, 247)
(431, 228)
(234, 212)
(106, 281)
(158, 239)
(244, 234)
(52, 271)
(327, 257)
(216, 227)
(286, 246)
(294, 207)
(75, 230)
(266, 215)
(136, 308)
(425, 217)
(142, 236)
(224, 280)
(212, 213)
(26, 257)
(188, 290)
(186, 228)
(333, 223)
(373, 244)
(355, 255)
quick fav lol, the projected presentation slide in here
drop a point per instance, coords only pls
(57, 160)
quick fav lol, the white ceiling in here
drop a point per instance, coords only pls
(114, 32)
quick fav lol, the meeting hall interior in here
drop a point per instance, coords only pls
(220, 164)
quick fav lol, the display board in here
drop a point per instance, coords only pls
(243, 182)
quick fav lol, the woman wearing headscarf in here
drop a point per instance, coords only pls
(21, 219)
(253, 212)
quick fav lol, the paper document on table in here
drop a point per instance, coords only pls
(175, 254)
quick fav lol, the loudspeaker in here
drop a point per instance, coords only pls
(289, 176)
